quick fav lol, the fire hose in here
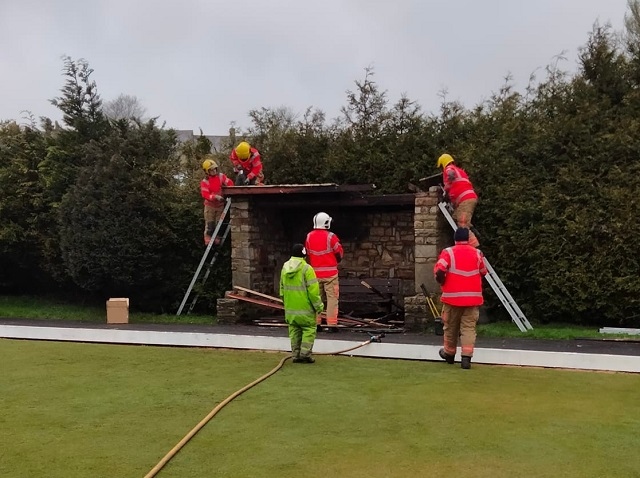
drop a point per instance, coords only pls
(174, 451)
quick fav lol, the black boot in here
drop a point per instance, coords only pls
(307, 359)
(466, 362)
(446, 357)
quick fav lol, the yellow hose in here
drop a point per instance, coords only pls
(174, 451)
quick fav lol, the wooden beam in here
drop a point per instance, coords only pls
(279, 189)
(264, 303)
(260, 294)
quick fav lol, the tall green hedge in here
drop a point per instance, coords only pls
(113, 208)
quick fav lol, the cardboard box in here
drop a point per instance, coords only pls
(118, 311)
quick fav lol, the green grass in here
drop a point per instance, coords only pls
(547, 331)
(51, 309)
(75, 410)
(27, 307)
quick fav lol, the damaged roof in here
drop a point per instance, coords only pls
(325, 194)
(297, 189)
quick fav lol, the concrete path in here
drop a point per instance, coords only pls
(571, 354)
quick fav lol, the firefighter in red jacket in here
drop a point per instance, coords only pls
(211, 191)
(247, 165)
(459, 190)
(459, 271)
(324, 252)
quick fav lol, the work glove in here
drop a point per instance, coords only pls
(445, 197)
(217, 197)
(440, 276)
(246, 181)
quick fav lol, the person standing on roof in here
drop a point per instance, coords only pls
(247, 165)
(325, 252)
(211, 192)
(459, 191)
(459, 272)
(300, 294)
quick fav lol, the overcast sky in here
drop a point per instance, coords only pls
(206, 63)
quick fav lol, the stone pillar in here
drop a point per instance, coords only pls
(243, 263)
(416, 315)
(242, 252)
(257, 252)
(228, 310)
(426, 239)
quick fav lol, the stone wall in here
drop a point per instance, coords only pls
(390, 242)
(386, 250)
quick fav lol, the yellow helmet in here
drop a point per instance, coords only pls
(209, 164)
(444, 160)
(243, 150)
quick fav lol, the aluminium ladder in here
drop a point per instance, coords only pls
(210, 247)
(496, 284)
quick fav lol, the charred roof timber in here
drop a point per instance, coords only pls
(318, 195)
(297, 189)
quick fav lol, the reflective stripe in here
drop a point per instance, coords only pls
(465, 193)
(454, 270)
(306, 313)
(443, 263)
(456, 174)
(451, 256)
(325, 251)
(323, 269)
(294, 287)
(464, 273)
(461, 294)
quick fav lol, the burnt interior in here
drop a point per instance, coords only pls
(377, 237)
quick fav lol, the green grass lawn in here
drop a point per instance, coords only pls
(76, 410)
(26, 307)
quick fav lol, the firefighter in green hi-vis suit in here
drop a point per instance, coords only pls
(300, 293)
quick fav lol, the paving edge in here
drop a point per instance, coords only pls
(527, 358)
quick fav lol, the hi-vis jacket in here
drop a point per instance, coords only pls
(212, 187)
(324, 252)
(457, 184)
(251, 167)
(300, 292)
(464, 268)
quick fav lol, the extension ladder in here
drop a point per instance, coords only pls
(210, 247)
(496, 284)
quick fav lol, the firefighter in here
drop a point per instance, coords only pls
(247, 165)
(459, 272)
(211, 191)
(325, 252)
(300, 294)
(459, 191)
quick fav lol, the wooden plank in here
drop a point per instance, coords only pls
(260, 294)
(278, 189)
(265, 303)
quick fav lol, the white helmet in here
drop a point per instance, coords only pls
(322, 221)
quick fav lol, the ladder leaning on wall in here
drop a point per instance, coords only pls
(496, 284)
(211, 247)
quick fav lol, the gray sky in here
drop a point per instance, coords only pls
(205, 63)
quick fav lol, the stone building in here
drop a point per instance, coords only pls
(394, 236)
